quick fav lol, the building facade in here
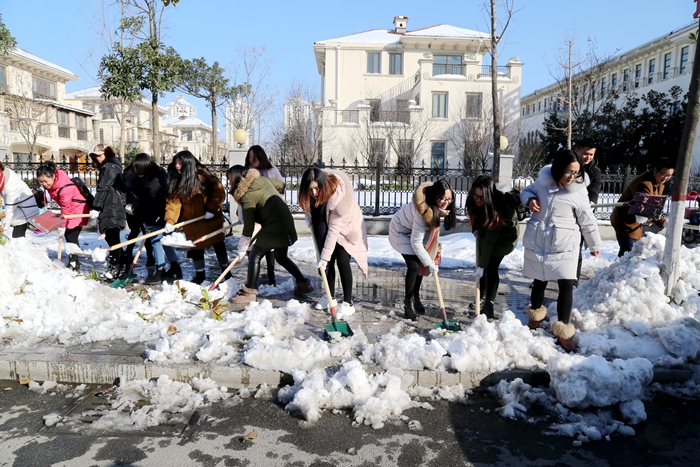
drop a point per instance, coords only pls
(657, 65)
(189, 133)
(412, 98)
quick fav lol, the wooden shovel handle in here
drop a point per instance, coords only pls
(216, 232)
(75, 216)
(439, 290)
(326, 287)
(224, 272)
(152, 234)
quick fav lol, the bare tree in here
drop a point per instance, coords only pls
(471, 136)
(28, 116)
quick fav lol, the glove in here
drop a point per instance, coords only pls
(665, 223)
(94, 214)
(479, 272)
(169, 228)
(432, 268)
(243, 244)
(641, 219)
(322, 263)
(208, 215)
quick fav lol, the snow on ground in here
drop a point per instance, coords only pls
(626, 326)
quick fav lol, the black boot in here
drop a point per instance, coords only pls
(114, 270)
(73, 263)
(157, 277)
(487, 308)
(198, 277)
(408, 310)
(175, 271)
(228, 274)
(417, 305)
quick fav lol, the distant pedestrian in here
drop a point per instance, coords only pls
(261, 202)
(414, 231)
(70, 199)
(109, 202)
(628, 228)
(20, 203)
(494, 221)
(558, 200)
(337, 224)
(193, 191)
(586, 149)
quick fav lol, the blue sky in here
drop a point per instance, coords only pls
(55, 30)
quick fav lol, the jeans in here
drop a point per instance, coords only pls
(160, 251)
(625, 243)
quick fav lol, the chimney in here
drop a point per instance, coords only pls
(400, 24)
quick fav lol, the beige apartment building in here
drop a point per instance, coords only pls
(412, 97)
(656, 65)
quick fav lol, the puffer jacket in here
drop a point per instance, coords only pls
(346, 224)
(109, 197)
(553, 235)
(261, 203)
(210, 200)
(69, 198)
(20, 204)
(410, 228)
(150, 191)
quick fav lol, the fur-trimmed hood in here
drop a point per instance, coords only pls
(245, 183)
(342, 200)
(425, 211)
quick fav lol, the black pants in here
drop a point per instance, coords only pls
(341, 257)
(112, 237)
(413, 279)
(488, 284)
(219, 250)
(256, 255)
(565, 300)
(18, 231)
(137, 230)
(270, 260)
(72, 235)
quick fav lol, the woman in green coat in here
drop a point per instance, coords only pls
(261, 203)
(494, 221)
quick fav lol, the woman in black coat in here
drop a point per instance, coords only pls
(109, 202)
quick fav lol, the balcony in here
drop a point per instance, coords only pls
(486, 71)
(449, 69)
(347, 117)
(63, 132)
(390, 116)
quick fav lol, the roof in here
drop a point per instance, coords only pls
(46, 66)
(185, 122)
(390, 36)
(94, 92)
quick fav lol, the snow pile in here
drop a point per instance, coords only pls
(176, 240)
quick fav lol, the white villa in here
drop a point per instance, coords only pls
(190, 133)
(411, 97)
(657, 65)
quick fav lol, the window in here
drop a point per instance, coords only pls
(652, 68)
(186, 135)
(374, 112)
(625, 79)
(63, 124)
(684, 59)
(613, 83)
(3, 80)
(107, 112)
(43, 89)
(667, 65)
(373, 62)
(89, 107)
(523, 111)
(377, 150)
(439, 105)
(474, 105)
(81, 125)
(637, 75)
(405, 153)
(395, 64)
(447, 65)
(437, 157)
(603, 86)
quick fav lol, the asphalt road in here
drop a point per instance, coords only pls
(449, 435)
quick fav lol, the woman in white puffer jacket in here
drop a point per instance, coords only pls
(561, 213)
(20, 203)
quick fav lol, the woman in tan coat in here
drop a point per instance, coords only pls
(627, 227)
(193, 191)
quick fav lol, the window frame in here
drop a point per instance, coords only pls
(651, 70)
(637, 75)
(42, 85)
(393, 58)
(667, 66)
(371, 56)
(441, 110)
(474, 110)
(683, 65)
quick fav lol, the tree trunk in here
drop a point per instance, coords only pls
(494, 97)
(122, 134)
(669, 268)
(155, 117)
(570, 105)
(214, 151)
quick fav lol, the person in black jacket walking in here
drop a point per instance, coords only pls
(109, 202)
(586, 148)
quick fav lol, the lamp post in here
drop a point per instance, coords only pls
(240, 136)
(642, 150)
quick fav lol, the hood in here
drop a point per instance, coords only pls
(244, 184)
(342, 201)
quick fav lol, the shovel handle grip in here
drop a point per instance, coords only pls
(152, 234)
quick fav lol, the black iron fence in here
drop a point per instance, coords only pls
(379, 189)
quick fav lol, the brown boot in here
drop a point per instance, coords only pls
(564, 332)
(303, 287)
(535, 316)
(245, 295)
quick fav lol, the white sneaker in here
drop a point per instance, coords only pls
(346, 309)
(323, 304)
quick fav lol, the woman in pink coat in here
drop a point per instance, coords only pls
(337, 224)
(71, 201)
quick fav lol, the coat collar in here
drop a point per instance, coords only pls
(545, 176)
(425, 211)
(245, 184)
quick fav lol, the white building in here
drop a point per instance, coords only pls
(36, 120)
(190, 133)
(180, 108)
(296, 110)
(656, 65)
(413, 97)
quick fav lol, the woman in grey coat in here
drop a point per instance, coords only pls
(560, 214)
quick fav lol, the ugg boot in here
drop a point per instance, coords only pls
(417, 305)
(303, 287)
(157, 277)
(175, 271)
(199, 276)
(73, 263)
(564, 332)
(245, 295)
(535, 316)
(409, 310)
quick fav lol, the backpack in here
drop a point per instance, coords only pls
(84, 190)
(513, 197)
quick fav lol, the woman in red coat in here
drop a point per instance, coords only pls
(69, 198)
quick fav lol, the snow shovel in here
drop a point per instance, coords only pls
(126, 278)
(152, 234)
(448, 326)
(223, 274)
(48, 221)
(334, 326)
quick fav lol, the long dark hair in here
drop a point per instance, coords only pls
(491, 215)
(327, 184)
(561, 161)
(235, 174)
(143, 165)
(186, 183)
(47, 169)
(432, 194)
(260, 155)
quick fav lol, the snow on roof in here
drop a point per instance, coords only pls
(52, 67)
(390, 36)
(94, 92)
(185, 122)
